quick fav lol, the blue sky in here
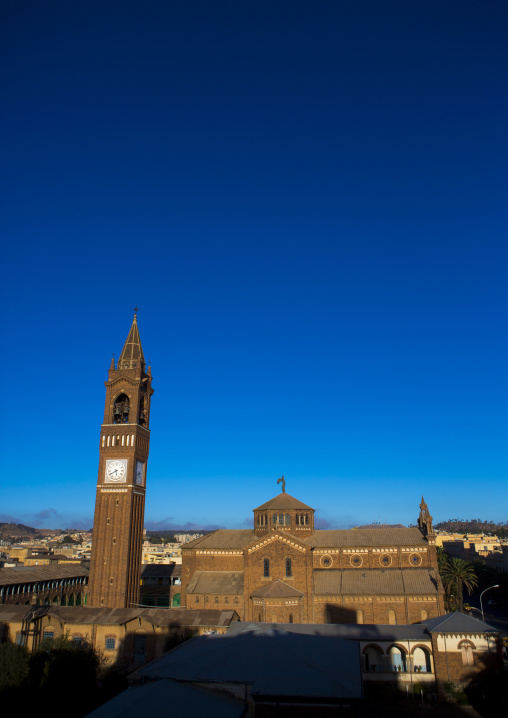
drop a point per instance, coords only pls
(307, 201)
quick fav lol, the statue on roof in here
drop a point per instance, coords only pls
(283, 483)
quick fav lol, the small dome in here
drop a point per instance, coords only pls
(283, 501)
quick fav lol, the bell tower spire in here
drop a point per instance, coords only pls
(132, 352)
(120, 501)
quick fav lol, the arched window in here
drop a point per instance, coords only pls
(397, 659)
(274, 518)
(288, 520)
(226, 599)
(392, 618)
(216, 599)
(421, 660)
(121, 410)
(423, 615)
(359, 616)
(373, 658)
(259, 618)
(266, 567)
(306, 519)
(466, 648)
(281, 519)
(290, 618)
(176, 600)
(288, 568)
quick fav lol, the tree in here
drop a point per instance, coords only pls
(456, 574)
(14, 666)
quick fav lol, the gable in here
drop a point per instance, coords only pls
(262, 542)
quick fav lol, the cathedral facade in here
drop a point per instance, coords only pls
(283, 570)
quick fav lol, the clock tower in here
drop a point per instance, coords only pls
(120, 502)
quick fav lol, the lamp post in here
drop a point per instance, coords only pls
(481, 594)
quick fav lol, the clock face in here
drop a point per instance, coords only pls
(140, 470)
(116, 471)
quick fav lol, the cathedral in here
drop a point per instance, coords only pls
(283, 570)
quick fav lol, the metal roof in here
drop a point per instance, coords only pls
(183, 698)
(457, 623)
(277, 663)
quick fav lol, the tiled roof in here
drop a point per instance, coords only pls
(377, 581)
(162, 570)
(223, 538)
(30, 574)
(366, 537)
(216, 582)
(283, 501)
(277, 589)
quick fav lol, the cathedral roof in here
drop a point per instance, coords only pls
(216, 582)
(283, 501)
(378, 581)
(277, 589)
(366, 537)
(223, 538)
(132, 352)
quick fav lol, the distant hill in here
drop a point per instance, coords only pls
(473, 526)
(20, 531)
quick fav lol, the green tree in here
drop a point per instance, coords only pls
(457, 574)
(14, 666)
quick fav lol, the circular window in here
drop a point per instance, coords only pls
(385, 560)
(415, 559)
(356, 560)
(326, 561)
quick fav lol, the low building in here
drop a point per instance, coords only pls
(124, 636)
(58, 584)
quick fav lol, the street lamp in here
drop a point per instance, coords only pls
(481, 594)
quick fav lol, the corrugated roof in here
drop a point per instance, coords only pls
(277, 589)
(216, 582)
(223, 538)
(366, 537)
(30, 574)
(283, 501)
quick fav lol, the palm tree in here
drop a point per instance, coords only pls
(457, 574)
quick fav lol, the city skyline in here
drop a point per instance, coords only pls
(308, 205)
